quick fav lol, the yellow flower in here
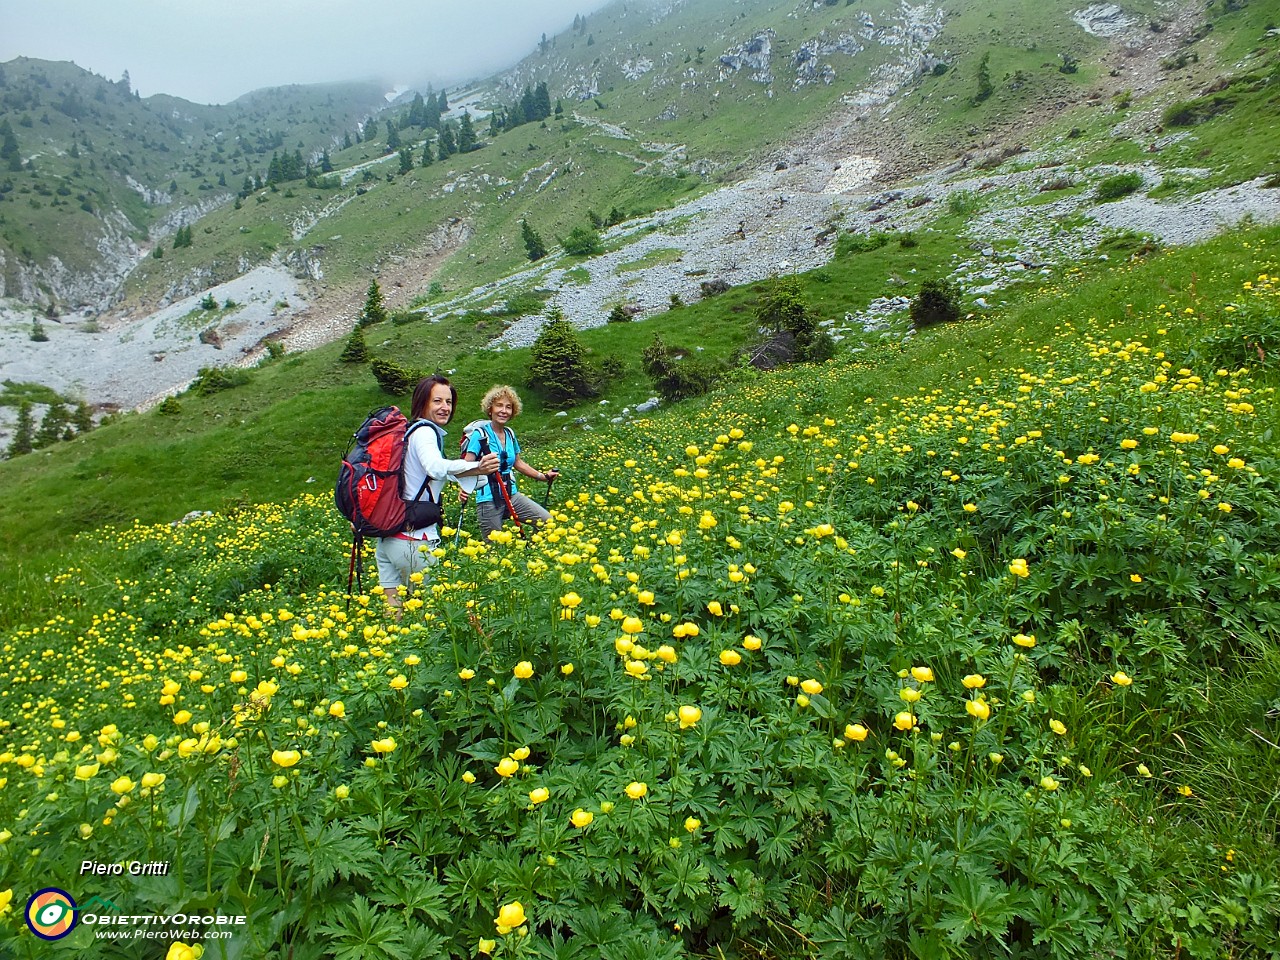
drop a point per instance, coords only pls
(510, 916)
(181, 717)
(1048, 783)
(970, 508)
(996, 758)
(399, 682)
(1135, 578)
(692, 824)
(715, 609)
(337, 709)
(751, 642)
(153, 780)
(632, 625)
(636, 789)
(122, 785)
(904, 720)
(1178, 437)
(689, 715)
(285, 758)
(570, 600)
(581, 818)
(974, 681)
(855, 732)
(1128, 444)
(645, 597)
(1121, 679)
(811, 687)
(1019, 568)
(666, 653)
(521, 753)
(507, 767)
(180, 951)
(1025, 640)
(606, 806)
(87, 771)
(523, 670)
(486, 946)
(466, 673)
(1058, 727)
(468, 777)
(637, 668)
(802, 701)
(730, 658)
(566, 669)
(239, 676)
(1144, 770)
(385, 745)
(978, 709)
(1184, 790)
(539, 795)
(909, 694)
(959, 554)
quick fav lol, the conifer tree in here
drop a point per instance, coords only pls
(393, 137)
(24, 432)
(375, 310)
(535, 249)
(427, 157)
(406, 159)
(559, 368)
(50, 432)
(541, 101)
(448, 144)
(356, 350)
(466, 134)
(82, 419)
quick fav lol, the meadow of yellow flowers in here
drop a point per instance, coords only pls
(978, 668)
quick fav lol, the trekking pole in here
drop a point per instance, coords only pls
(552, 475)
(506, 498)
(356, 543)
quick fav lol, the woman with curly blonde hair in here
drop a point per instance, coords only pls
(496, 495)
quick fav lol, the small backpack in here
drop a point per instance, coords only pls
(369, 487)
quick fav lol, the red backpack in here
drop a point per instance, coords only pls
(369, 487)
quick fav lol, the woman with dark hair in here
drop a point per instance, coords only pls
(404, 554)
(497, 497)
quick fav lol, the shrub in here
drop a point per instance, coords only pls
(211, 380)
(675, 375)
(392, 377)
(619, 314)
(850, 243)
(37, 331)
(1249, 337)
(1120, 185)
(582, 242)
(1129, 243)
(713, 287)
(937, 302)
(209, 303)
(963, 203)
(783, 312)
(169, 407)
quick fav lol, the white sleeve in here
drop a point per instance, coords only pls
(433, 462)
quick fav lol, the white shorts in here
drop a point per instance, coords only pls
(398, 559)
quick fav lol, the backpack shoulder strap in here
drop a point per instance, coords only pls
(439, 435)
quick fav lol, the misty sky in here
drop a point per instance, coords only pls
(213, 52)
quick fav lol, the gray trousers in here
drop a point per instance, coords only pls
(492, 513)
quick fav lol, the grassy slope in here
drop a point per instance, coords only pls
(165, 143)
(302, 409)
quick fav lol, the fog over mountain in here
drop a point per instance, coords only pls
(216, 53)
